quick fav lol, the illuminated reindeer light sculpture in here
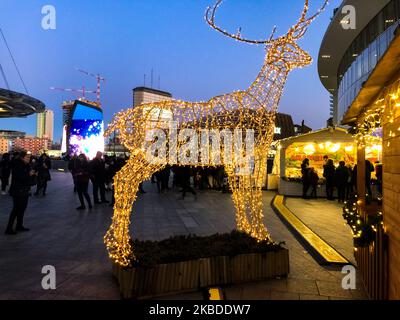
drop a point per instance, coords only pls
(253, 109)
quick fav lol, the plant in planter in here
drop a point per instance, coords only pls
(184, 263)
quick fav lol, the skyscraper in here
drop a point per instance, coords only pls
(45, 124)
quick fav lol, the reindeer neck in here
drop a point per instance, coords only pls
(267, 89)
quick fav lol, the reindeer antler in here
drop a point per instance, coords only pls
(210, 18)
(296, 32)
(300, 28)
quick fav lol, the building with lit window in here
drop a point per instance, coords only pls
(6, 139)
(31, 144)
(348, 56)
(143, 95)
(361, 68)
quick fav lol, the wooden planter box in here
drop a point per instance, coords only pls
(143, 283)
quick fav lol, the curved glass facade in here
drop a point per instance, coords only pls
(364, 53)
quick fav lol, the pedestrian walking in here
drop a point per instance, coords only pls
(186, 175)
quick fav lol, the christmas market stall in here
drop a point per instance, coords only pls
(333, 142)
(375, 116)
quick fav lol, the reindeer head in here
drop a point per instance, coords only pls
(283, 49)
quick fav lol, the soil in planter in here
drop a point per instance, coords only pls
(186, 248)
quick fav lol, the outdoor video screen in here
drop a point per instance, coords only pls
(87, 131)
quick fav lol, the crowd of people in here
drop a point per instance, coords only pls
(100, 172)
(188, 179)
(27, 171)
(343, 178)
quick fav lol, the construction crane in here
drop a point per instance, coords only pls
(83, 91)
(99, 79)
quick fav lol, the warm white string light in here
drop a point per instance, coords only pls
(254, 108)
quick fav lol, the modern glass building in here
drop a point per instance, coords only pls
(348, 56)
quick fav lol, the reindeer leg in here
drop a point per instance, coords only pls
(239, 199)
(255, 201)
(127, 181)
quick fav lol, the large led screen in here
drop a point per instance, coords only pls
(86, 131)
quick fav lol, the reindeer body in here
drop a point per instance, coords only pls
(254, 108)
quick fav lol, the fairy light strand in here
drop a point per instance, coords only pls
(254, 108)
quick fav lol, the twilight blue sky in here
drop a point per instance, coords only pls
(125, 39)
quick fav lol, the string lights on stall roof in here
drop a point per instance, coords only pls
(384, 112)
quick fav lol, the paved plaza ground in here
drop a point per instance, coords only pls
(72, 241)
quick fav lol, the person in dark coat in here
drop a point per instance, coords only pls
(5, 172)
(305, 166)
(72, 165)
(21, 182)
(43, 170)
(177, 178)
(341, 176)
(82, 177)
(98, 177)
(186, 173)
(162, 178)
(313, 177)
(329, 175)
(159, 179)
(165, 177)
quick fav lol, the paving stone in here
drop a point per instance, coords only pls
(279, 295)
(73, 242)
(312, 297)
(332, 289)
(256, 291)
(302, 286)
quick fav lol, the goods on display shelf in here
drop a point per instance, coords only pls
(315, 152)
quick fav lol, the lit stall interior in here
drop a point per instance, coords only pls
(315, 152)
